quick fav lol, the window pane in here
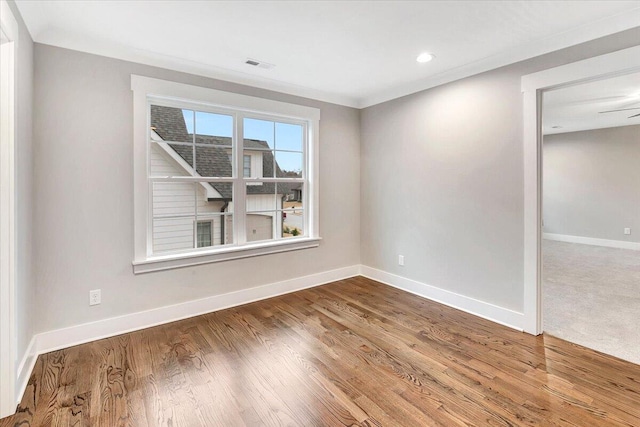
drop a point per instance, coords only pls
(213, 161)
(213, 196)
(289, 164)
(262, 196)
(292, 192)
(172, 199)
(276, 211)
(267, 160)
(288, 137)
(293, 223)
(216, 207)
(293, 209)
(172, 234)
(269, 225)
(165, 161)
(170, 124)
(213, 128)
(262, 226)
(259, 134)
(173, 216)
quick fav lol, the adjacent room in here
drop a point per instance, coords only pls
(591, 214)
(319, 213)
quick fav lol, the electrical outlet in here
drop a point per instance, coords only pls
(627, 231)
(400, 259)
(95, 297)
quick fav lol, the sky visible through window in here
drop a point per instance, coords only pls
(279, 136)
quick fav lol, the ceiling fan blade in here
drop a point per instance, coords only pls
(635, 115)
(621, 109)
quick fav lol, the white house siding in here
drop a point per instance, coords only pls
(174, 207)
(263, 202)
(256, 163)
(163, 165)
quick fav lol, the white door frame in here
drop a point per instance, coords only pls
(617, 63)
(8, 64)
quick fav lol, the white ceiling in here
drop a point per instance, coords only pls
(583, 106)
(346, 52)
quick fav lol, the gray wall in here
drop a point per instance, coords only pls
(437, 177)
(591, 184)
(25, 285)
(442, 180)
(84, 195)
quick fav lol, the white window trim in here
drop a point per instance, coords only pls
(145, 87)
(8, 271)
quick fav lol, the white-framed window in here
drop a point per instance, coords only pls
(214, 173)
(246, 172)
(204, 233)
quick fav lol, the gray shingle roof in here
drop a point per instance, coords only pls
(212, 157)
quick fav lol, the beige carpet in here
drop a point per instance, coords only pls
(592, 297)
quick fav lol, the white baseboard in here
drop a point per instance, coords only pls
(74, 335)
(25, 368)
(500, 315)
(592, 241)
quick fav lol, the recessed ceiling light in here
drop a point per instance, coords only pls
(425, 57)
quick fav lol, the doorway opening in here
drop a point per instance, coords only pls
(618, 63)
(591, 214)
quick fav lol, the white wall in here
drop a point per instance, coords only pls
(83, 149)
(591, 183)
(25, 284)
(442, 180)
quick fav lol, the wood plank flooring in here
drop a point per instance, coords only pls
(350, 353)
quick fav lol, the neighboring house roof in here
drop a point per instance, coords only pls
(212, 159)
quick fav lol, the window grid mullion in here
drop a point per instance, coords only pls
(195, 208)
(196, 179)
(239, 191)
(195, 186)
(305, 176)
(149, 213)
(222, 179)
(275, 147)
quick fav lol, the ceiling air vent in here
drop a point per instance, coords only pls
(259, 64)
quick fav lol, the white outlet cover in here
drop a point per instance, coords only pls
(95, 297)
(627, 231)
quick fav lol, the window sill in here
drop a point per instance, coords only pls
(168, 262)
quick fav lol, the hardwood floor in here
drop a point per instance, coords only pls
(353, 352)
